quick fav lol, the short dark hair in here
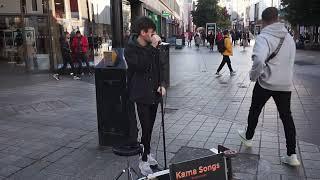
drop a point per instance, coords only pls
(78, 32)
(225, 32)
(270, 14)
(142, 23)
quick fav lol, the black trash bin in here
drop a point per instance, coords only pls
(112, 99)
(165, 59)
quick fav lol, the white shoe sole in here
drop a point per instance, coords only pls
(145, 173)
(284, 160)
(244, 140)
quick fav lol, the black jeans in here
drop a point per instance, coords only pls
(82, 57)
(226, 59)
(133, 131)
(66, 60)
(211, 46)
(147, 116)
(234, 42)
(282, 99)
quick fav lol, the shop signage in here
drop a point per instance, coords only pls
(166, 14)
(206, 168)
(211, 27)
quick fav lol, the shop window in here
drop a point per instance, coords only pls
(34, 5)
(59, 8)
(74, 9)
(45, 6)
(256, 12)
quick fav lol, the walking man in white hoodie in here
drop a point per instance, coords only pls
(272, 70)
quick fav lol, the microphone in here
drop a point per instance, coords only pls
(159, 42)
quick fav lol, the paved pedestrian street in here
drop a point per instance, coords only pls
(48, 128)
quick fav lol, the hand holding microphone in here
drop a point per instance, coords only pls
(155, 40)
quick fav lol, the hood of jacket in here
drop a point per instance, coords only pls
(275, 74)
(276, 29)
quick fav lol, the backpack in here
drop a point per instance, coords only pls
(221, 46)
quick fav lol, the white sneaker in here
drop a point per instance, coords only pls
(76, 78)
(151, 160)
(56, 76)
(145, 168)
(218, 74)
(243, 139)
(291, 160)
(233, 73)
(71, 74)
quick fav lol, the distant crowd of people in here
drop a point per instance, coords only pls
(238, 37)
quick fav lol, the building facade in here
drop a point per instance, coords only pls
(166, 15)
(31, 30)
(238, 11)
(24, 31)
(246, 14)
(187, 17)
(255, 11)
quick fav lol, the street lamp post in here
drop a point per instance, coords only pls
(117, 24)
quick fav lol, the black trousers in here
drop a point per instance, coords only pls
(147, 116)
(133, 131)
(226, 59)
(211, 46)
(282, 99)
(82, 57)
(66, 60)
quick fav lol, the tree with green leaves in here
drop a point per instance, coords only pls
(302, 12)
(208, 11)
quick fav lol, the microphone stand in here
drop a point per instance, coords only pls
(162, 114)
(163, 134)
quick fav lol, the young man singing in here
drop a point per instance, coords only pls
(145, 81)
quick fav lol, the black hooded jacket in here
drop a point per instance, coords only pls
(145, 72)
